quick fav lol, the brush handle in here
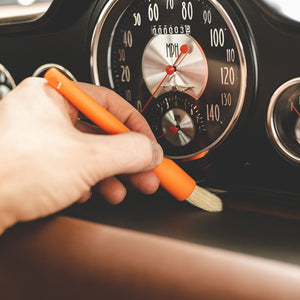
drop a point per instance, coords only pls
(172, 178)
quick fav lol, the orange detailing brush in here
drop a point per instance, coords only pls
(172, 178)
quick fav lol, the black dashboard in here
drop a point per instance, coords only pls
(239, 147)
(219, 83)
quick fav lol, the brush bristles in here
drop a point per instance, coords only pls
(205, 200)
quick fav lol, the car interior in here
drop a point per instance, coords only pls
(228, 113)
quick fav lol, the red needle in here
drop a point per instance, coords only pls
(169, 71)
(172, 130)
(295, 109)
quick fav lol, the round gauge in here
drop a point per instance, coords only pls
(180, 63)
(39, 72)
(283, 119)
(7, 83)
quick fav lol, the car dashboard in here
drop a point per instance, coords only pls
(228, 113)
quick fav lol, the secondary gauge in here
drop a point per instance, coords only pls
(283, 119)
(39, 72)
(181, 63)
(7, 83)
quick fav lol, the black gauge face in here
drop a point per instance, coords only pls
(175, 61)
(283, 119)
(6, 82)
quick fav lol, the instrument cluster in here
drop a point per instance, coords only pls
(217, 80)
(182, 64)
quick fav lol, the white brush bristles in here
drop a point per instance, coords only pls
(205, 200)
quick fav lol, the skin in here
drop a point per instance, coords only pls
(49, 160)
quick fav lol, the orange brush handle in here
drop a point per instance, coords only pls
(172, 178)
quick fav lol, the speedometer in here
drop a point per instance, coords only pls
(182, 64)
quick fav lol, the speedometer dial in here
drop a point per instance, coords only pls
(180, 63)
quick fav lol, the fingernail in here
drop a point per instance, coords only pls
(158, 154)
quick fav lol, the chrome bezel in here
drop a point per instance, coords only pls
(8, 76)
(271, 126)
(241, 53)
(95, 39)
(45, 67)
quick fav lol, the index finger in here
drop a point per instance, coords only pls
(118, 107)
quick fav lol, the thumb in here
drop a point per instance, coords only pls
(125, 153)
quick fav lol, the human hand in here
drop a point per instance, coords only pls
(47, 164)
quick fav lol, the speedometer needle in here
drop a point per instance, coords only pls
(169, 71)
(296, 110)
(172, 130)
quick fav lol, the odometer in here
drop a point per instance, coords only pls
(180, 63)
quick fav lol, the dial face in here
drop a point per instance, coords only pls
(283, 119)
(180, 63)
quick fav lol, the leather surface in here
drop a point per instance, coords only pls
(252, 224)
(65, 258)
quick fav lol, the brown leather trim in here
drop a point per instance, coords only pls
(65, 258)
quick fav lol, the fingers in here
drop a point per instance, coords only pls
(112, 190)
(86, 127)
(126, 153)
(120, 108)
(85, 197)
(146, 182)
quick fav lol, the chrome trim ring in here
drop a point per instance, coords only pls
(8, 76)
(271, 126)
(45, 67)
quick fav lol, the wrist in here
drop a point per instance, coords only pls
(7, 217)
(9, 189)
(3, 227)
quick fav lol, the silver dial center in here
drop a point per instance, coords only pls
(185, 129)
(191, 71)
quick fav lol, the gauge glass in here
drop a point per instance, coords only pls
(283, 120)
(180, 63)
(7, 83)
